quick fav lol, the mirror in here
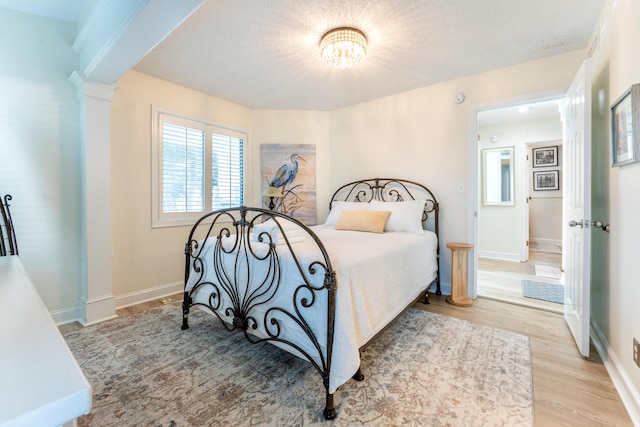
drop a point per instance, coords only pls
(497, 176)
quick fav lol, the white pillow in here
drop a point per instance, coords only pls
(406, 217)
(338, 206)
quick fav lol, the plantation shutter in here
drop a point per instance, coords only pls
(183, 168)
(227, 154)
(197, 167)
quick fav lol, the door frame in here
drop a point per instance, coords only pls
(473, 179)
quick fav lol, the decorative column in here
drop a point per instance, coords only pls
(96, 298)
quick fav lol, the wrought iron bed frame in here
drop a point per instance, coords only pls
(235, 225)
(8, 241)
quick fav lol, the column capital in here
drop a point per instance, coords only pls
(91, 89)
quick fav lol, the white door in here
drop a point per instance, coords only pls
(576, 236)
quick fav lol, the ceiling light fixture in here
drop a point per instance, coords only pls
(343, 47)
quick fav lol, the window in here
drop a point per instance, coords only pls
(197, 167)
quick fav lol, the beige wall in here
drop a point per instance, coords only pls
(421, 135)
(143, 257)
(424, 136)
(296, 127)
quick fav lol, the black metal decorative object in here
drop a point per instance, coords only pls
(241, 275)
(8, 241)
(396, 190)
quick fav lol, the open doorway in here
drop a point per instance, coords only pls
(519, 211)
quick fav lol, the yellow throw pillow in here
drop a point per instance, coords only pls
(360, 220)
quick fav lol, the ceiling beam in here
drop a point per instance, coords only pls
(117, 34)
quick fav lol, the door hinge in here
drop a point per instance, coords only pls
(527, 243)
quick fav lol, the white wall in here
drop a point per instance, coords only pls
(616, 200)
(424, 136)
(40, 152)
(545, 216)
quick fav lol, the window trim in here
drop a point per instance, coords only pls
(160, 219)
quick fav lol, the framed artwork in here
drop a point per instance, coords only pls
(625, 128)
(545, 157)
(289, 180)
(546, 180)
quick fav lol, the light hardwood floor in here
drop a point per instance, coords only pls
(569, 390)
(501, 280)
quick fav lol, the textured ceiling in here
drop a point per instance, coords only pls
(62, 10)
(264, 54)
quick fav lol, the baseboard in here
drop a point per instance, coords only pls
(96, 310)
(506, 256)
(138, 297)
(628, 394)
(66, 315)
(76, 314)
(542, 240)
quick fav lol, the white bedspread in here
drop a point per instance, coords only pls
(377, 276)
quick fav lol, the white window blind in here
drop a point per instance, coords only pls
(198, 168)
(228, 169)
(182, 169)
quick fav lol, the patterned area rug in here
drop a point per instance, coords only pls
(543, 291)
(426, 369)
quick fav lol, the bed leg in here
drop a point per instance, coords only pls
(329, 410)
(185, 312)
(426, 298)
(358, 376)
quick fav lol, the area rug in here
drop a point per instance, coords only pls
(426, 369)
(543, 291)
(548, 271)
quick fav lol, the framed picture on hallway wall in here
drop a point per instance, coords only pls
(545, 156)
(546, 181)
(625, 128)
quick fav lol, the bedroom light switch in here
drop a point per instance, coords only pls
(460, 187)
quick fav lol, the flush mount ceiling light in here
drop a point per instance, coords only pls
(343, 47)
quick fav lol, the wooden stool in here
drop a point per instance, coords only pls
(459, 274)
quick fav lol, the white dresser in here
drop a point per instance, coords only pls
(41, 383)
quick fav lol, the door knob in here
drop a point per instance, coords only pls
(574, 223)
(601, 225)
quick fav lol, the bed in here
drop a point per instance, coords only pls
(322, 292)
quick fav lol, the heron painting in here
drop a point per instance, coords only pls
(289, 171)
